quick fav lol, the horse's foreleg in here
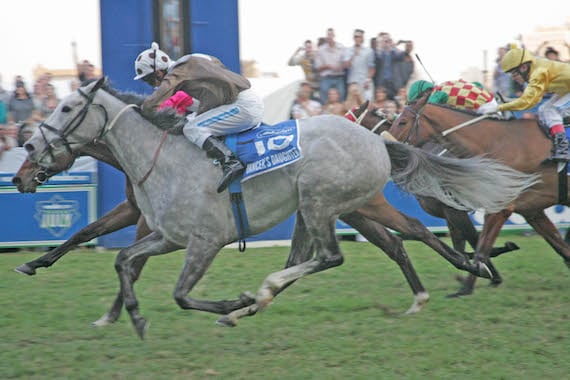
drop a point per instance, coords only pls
(491, 229)
(115, 311)
(121, 216)
(152, 245)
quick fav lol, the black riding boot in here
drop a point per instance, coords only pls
(232, 167)
(560, 147)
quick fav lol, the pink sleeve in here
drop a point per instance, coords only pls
(179, 101)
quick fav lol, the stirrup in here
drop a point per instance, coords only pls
(228, 177)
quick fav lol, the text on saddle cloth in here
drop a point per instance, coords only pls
(268, 147)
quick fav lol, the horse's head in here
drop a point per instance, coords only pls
(54, 143)
(30, 176)
(406, 127)
(372, 119)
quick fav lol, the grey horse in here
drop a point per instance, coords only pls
(342, 172)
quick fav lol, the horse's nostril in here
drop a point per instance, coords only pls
(41, 177)
(16, 181)
(29, 147)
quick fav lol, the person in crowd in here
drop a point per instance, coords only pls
(330, 66)
(86, 72)
(3, 113)
(541, 76)
(49, 102)
(21, 105)
(7, 142)
(5, 95)
(360, 65)
(226, 102)
(305, 57)
(380, 98)
(387, 59)
(354, 97)
(401, 98)
(334, 106)
(74, 84)
(304, 106)
(405, 69)
(501, 80)
(456, 93)
(552, 54)
(11, 131)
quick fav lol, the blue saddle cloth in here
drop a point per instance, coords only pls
(266, 147)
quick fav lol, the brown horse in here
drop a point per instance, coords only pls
(521, 144)
(460, 226)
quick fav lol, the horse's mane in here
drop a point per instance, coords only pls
(166, 119)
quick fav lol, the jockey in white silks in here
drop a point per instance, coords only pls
(226, 102)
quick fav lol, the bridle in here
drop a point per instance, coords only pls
(71, 126)
(415, 129)
(351, 116)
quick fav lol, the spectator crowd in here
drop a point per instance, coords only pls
(21, 111)
(339, 78)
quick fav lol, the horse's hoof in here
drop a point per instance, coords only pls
(227, 321)
(105, 320)
(420, 300)
(141, 326)
(25, 269)
(460, 293)
(511, 246)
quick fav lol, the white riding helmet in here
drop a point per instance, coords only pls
(151, 60)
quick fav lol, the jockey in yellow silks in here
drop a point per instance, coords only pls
(543, 76)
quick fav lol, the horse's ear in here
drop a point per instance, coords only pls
(365, 104)
(99, 84)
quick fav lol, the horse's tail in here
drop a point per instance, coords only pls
(465, 184)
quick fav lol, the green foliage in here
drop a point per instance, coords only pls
(345, 323)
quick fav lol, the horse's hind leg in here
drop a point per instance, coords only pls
(392, 245)
(545, 228)
(460, 225)
(121, 216)
(379, 210)
(301, 251)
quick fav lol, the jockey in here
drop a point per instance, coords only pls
(226, 102)
(543, 76)
(458, 94)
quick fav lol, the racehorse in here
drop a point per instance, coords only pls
(342, 172)
(521, 144)
(127, 213)
(461, 229)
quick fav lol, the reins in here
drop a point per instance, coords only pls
(156, 153)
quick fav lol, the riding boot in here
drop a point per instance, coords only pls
(232, 167)
(560, 147)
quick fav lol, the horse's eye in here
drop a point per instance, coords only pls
(66, 109)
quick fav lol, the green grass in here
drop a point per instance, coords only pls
(345, 323)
